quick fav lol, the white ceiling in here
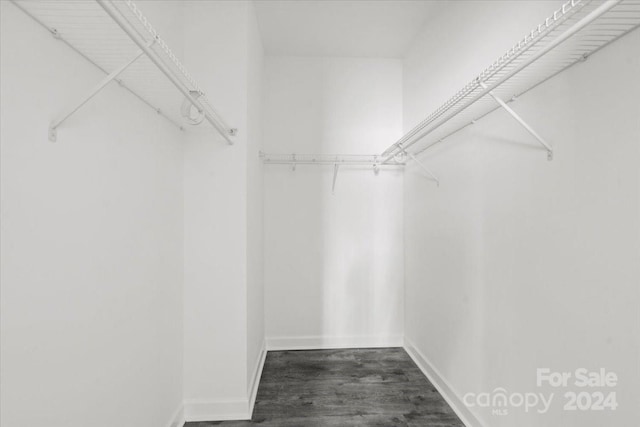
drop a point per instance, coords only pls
(370, 28)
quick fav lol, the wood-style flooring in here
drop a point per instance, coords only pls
(354, 387)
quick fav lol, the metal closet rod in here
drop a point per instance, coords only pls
(57, 35)
(595, 14)
(330, 162)
(582, 58)
(126, 26)
(325, 159)
(496, 67)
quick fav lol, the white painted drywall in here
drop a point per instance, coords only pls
(333, 263)
(516, 263)
(345, 28)
(223, 329)
(91, 294)
(255, 261)
(214, 212)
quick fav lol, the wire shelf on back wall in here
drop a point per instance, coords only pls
(570, 35)
(112, 33)
(326, 159)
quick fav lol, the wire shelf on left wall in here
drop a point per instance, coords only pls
(117, 38)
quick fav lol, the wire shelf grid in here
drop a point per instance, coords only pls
(506, 77)
(89, 30)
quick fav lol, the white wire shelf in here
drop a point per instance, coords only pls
(568, 36)
(109, 34)
(336, 160)
(328, 159)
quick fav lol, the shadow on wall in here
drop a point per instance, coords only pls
(361, 258)
(333, 262)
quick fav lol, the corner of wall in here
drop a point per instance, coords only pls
(254, 381)
(177, 420)
(224, 409)
(442, 385)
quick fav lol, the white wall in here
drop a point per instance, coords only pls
(516, 263)
(91, 304)
(255, 258)
(222, 227)
(333, 263)
(97, 226)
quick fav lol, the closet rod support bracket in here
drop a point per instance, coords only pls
(520, 120)
(53, 134)
(108, 79)
(423, 167)
(335, 176)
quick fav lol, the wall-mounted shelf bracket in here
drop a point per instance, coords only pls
(53, 133)
(335, 176)
(519, 119)
(424, 168)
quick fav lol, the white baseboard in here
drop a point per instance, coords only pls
(241, 409)
(177, 420)
(331, 342)
(216, 410)
(227, 410)
(443, 387)
(252, 392)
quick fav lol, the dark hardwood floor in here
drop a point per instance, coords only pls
(362, 387)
